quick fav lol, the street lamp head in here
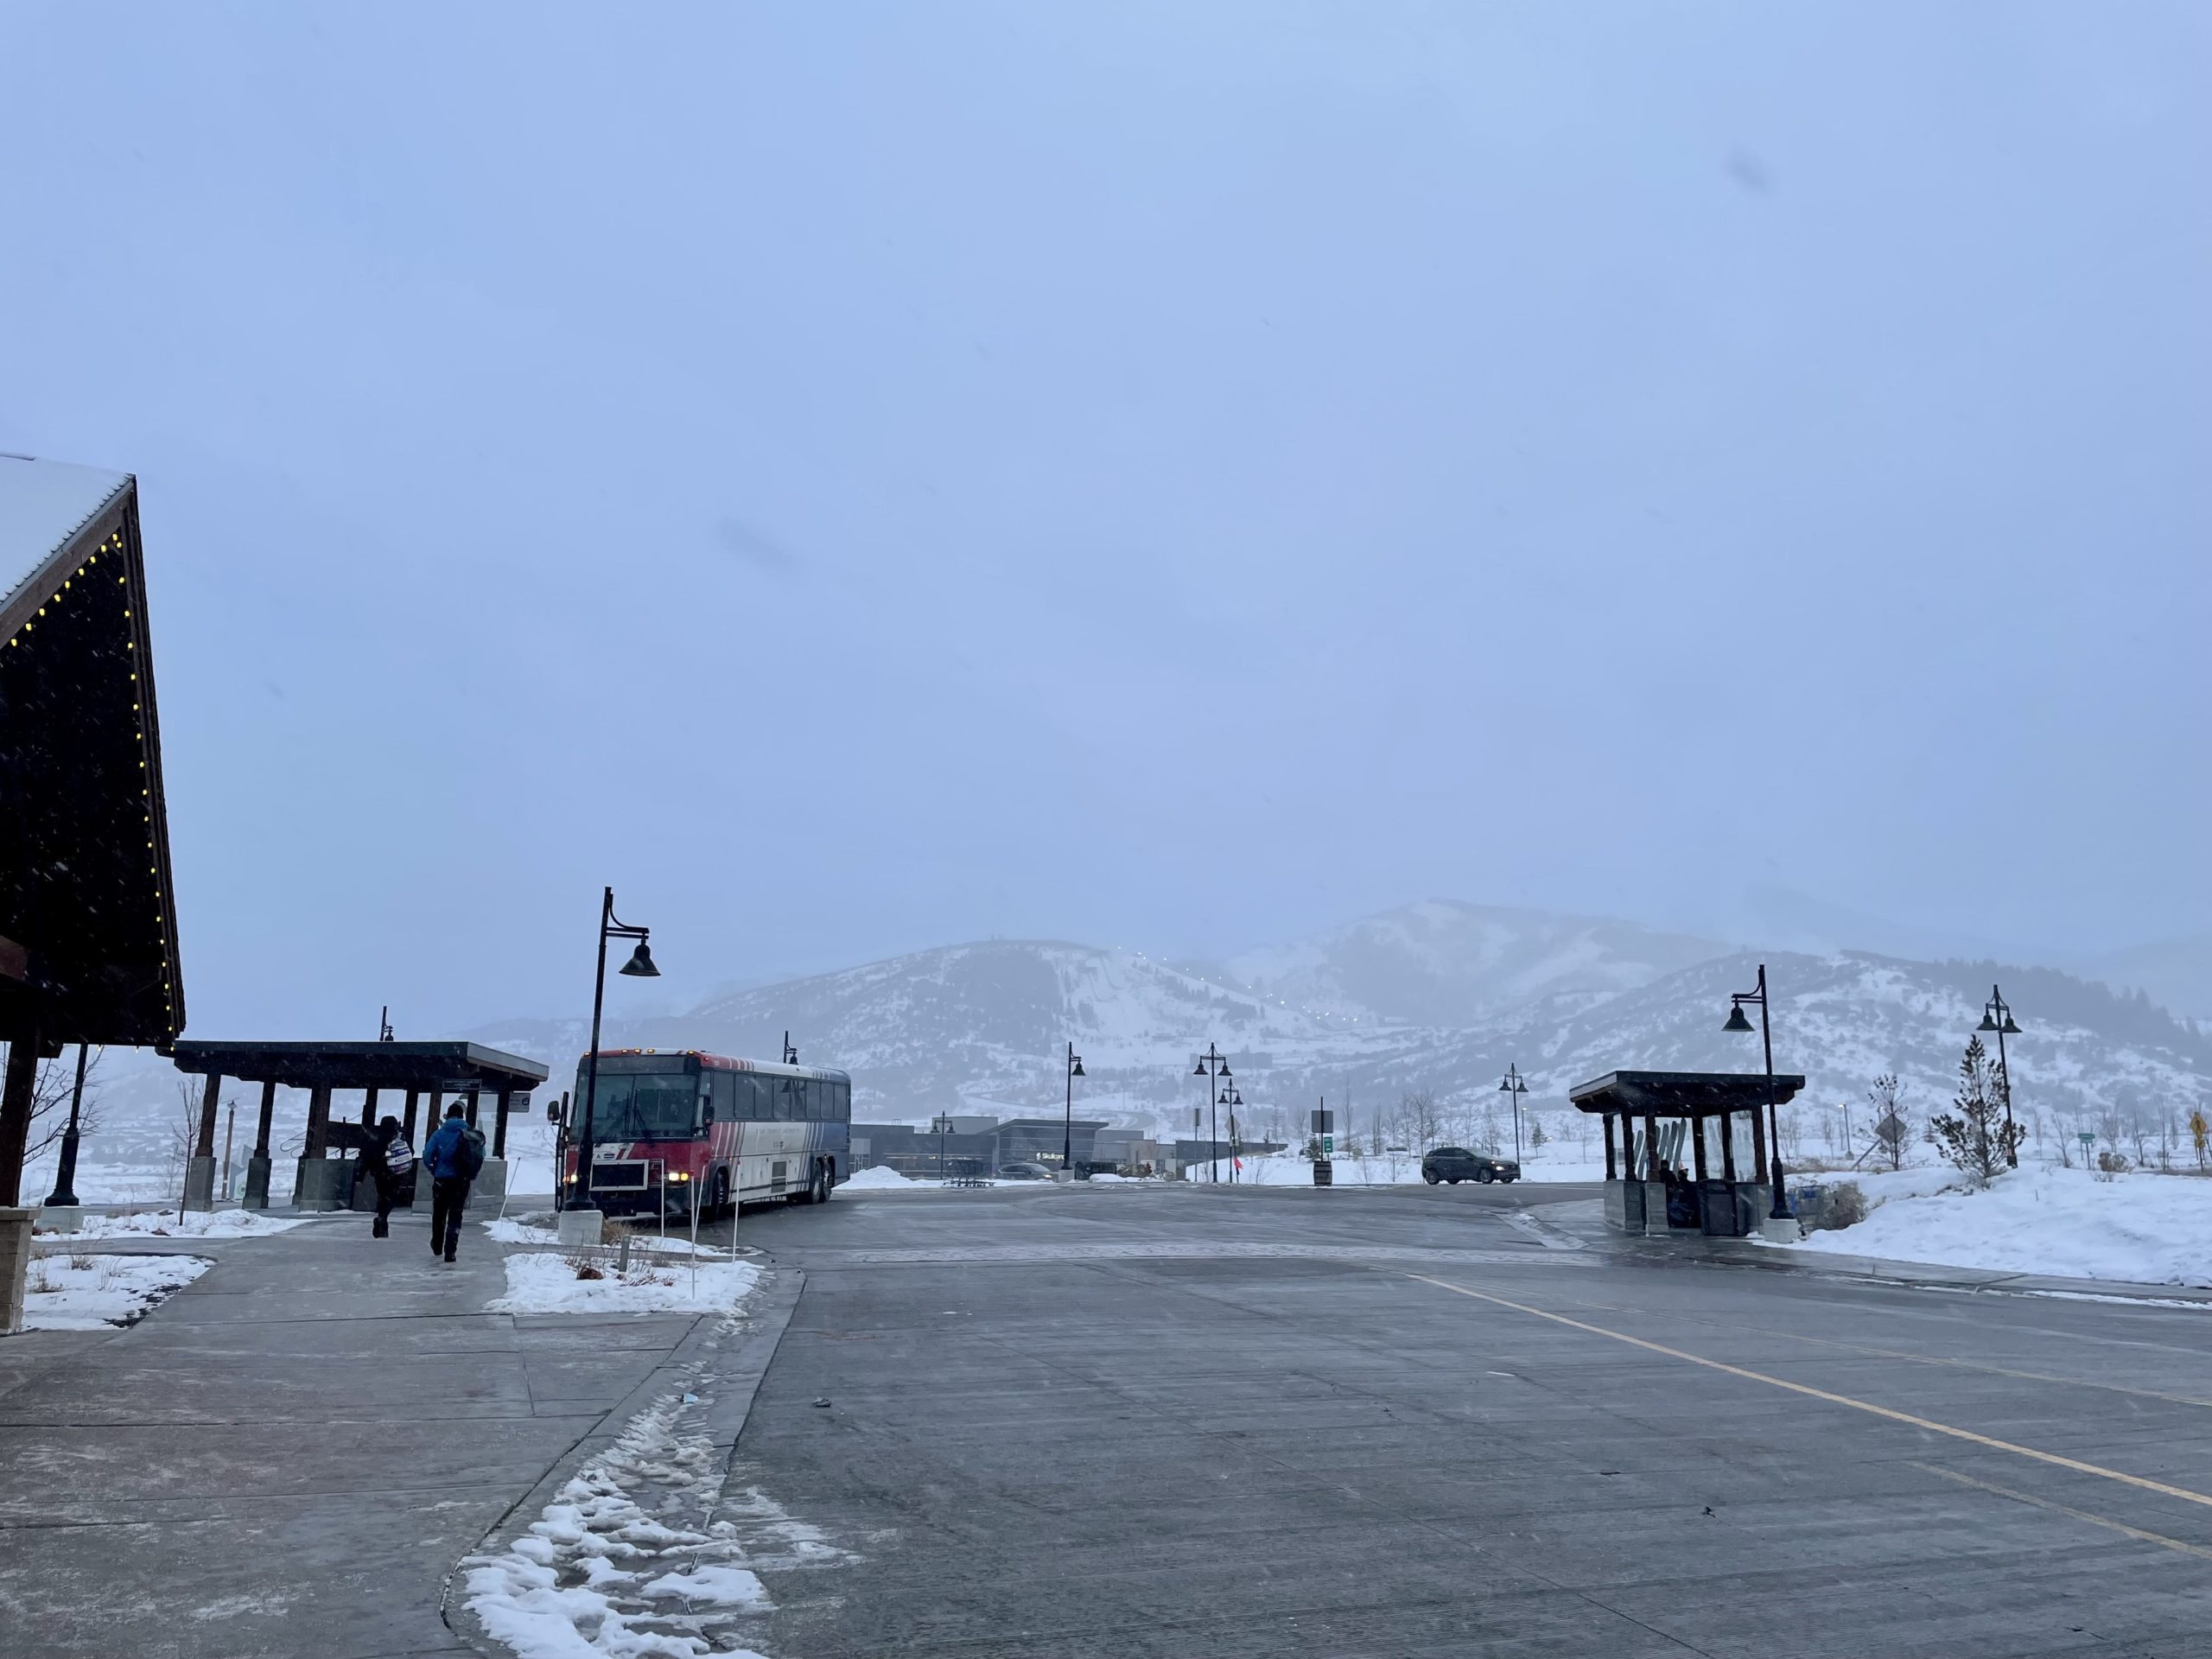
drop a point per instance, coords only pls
(640, 965)
(1077, 1071)
(1222, 1070)
(1736, 1021)
(1988, 1021)
(2008, 1028)
(1199, 1070)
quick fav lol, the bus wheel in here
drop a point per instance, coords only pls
(824, 1185)
(721, 1192)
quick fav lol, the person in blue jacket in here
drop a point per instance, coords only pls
(454, 1155)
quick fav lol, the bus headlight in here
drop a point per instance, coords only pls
(679, 1176)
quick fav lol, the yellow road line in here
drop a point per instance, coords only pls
(1916, 1359)
(2079, 1514)
(1934, 1427)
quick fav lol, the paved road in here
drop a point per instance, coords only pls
(1165, 1421)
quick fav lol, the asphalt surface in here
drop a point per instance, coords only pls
(290, 1456)
(1155, 1421)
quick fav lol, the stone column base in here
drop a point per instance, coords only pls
(323, 1184)
(61, 1217)
(583, 1226)
(15, 1265)
(1781, 1229)
(200, 1184)
(257, 1184)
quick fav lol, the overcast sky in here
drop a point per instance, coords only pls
(857, 477)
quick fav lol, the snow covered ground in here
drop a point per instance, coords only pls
(538, 1231)
(81, 1291)
(196, 1224)
(882, 1178)
(645, 1551)
(1388, 1169)
(2153, 1229)
(546, 1282)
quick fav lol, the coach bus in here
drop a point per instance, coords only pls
(672, 1129)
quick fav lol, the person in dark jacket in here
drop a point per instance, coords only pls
(390, 1162)
(447, 1155)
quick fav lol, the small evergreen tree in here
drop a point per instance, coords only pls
(1975, 1140)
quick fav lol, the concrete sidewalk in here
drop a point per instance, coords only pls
(289, 1456)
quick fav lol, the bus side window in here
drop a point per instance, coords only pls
(795, 1100)
(749, 1102)
(725, 1096)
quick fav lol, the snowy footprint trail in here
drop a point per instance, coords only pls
(645, 1552)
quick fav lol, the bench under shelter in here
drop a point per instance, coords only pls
(325, 1180)
(1686, 1152)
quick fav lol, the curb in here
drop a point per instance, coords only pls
(729, 1363)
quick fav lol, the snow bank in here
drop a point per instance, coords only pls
(532, 1232)
(70, 1291)
(197, 1224)
(881, 1176)
(2153, 1229)
(623, 1561)
(546, 1283)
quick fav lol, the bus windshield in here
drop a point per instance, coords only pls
(648, 1106)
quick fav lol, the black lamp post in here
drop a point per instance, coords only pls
(1212, 1066)
(640, 966)
(1233, 1098)
(1513, 1085)
(1779, 1210)
(1067, 1132)
(1997, 1017)
(790, 1054)
(65, 1172)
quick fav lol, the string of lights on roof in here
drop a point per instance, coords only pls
(114, 545)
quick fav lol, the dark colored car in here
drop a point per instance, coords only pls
(1024, 1173)
(1456, 1164)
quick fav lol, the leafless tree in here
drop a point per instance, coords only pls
(1886, 1095)
(183, 1128)
(1421, 1122)
(56, 1081)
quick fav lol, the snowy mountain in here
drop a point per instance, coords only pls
(1445, 963)
(2175, 974)
(1359, 1016)
(979, 1027)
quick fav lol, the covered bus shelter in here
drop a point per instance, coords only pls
(1652, 1119)
(88, 941)
(373, 1068)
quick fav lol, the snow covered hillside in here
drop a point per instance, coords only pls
(979, 1027)
(1445, 964)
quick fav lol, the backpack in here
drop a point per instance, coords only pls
(398, 1158)
(469, 1153)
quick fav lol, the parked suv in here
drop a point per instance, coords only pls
(1456, 1164)
(1024, 1173)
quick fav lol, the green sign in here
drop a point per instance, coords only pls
(1328, 1146)
(2087, 1139)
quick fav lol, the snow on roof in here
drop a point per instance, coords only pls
(42, 504)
